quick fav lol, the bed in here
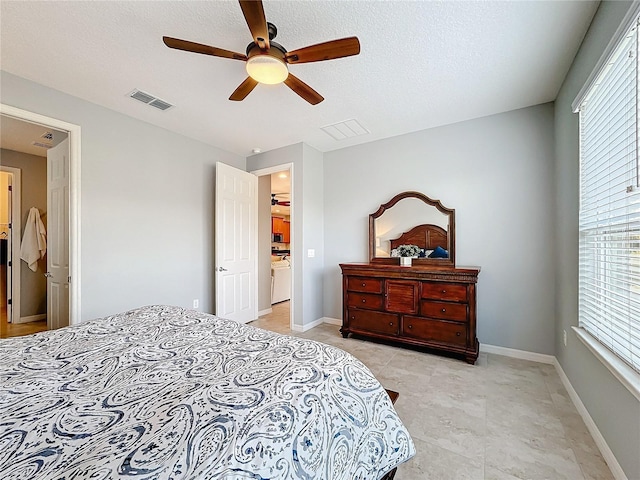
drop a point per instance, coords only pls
(167, 393)
(426, 236)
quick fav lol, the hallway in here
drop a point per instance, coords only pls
(19, 329)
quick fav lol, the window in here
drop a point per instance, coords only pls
(609, 221)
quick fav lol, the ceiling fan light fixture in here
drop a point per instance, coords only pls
(267, 69)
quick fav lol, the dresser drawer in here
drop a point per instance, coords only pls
(434, 330)
(448, 311)
(364, 300)
(369, 321)
(364, 284)
(444, 291)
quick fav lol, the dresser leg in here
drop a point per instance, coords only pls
(344, 334)
(471, 357)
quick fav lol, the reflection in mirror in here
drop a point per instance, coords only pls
(402, 218)
(412, 218)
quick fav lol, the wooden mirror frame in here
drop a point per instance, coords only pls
(451, 232)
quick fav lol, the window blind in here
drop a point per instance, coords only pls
(609, 220)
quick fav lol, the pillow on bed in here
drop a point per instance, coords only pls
(439, 252)
(424, 253)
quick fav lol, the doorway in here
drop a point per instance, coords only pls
(55, 131)
(276, 243)
(28, 224)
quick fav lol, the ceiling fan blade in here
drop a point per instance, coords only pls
(302, 89)
(200, 48)
(254, 15)
(344, 47)
(243, 90)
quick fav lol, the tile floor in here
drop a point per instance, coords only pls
(502, 419)
(14, 329)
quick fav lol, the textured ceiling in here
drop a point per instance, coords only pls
(422, 63)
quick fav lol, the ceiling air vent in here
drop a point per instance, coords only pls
(347, 129)
(159, 104)
(144, 97)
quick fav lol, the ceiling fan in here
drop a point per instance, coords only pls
(282, 203)
(267, 60)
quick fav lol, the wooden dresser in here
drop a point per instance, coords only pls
(426, 306)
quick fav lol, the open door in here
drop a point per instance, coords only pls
(58, 236)
(236, 243)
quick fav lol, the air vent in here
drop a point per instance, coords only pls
(144, 97)
(347, 129)
(42, 145)
(159, 104)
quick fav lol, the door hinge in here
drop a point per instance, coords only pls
(10, 188)
(9, 301)
(9, 264)
(69, 279)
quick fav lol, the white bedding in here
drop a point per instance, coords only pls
(162, 392)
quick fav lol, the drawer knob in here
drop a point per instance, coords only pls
(391, 324)
(444, 309)
(457, 334)
(364, 301)
(353, 317)
(364, 284)
(410, 327)
(444, 291)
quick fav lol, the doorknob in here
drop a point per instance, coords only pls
(48, 275)
(222, 269)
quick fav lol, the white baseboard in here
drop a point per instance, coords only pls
(332, 321)
(266, 311)
(315, 323)
(32, 318)
(521, 354)
(606, 452)
(308, 326)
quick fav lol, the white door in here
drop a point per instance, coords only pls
(236, 243)
(58, 236)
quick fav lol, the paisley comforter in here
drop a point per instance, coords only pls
(166, 393)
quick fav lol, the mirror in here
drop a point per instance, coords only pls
(412, 218)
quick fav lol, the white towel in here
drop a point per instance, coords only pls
(34, 240)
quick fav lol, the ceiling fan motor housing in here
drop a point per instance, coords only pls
(275, 50)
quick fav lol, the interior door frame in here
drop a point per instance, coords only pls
(16, 228)
(268, 171)
(73, 132)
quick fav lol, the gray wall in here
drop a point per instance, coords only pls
(33, 193)
(313, 233)
(496, 172)
(615, 411)
(307, 221)
(147, 199)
